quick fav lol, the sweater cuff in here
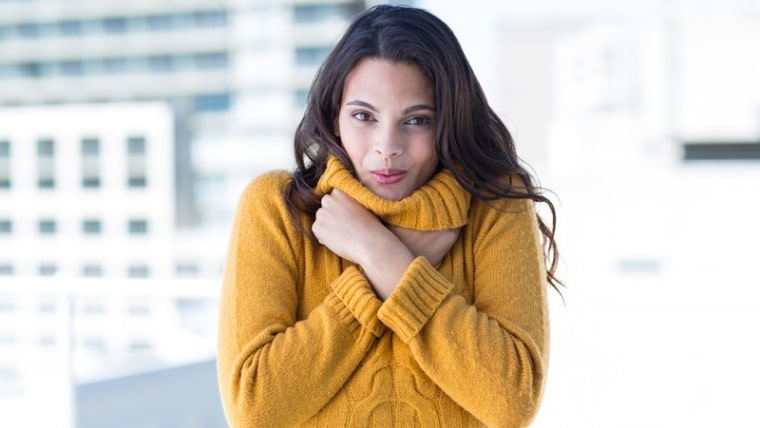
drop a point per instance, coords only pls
(352, 288)
(413, 302)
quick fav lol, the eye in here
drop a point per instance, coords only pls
(419, 121)
(362, 116)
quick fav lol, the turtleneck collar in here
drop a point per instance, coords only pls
(439, 204)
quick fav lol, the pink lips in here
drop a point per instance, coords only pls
(388, 176)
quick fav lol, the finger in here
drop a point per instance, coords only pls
(325, 200)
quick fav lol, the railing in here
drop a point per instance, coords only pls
(58, 332)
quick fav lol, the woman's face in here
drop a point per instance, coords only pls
(387, 126)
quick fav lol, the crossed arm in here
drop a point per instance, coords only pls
(275, 370)
(384, 253)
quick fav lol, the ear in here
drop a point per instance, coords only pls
(336, 128)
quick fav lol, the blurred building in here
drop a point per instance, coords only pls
(661, 85)
(127, 132)
(87, 190)
(235, 74)
(647, 127)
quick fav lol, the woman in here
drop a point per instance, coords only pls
(397, 277)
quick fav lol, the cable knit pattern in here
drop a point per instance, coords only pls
(304, 341)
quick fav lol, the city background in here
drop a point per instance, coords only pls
(128, 131)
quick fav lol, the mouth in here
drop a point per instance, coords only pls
(387, 176)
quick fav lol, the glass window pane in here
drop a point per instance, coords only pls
(138, 227)
(136, 145)
(91, 227)
(45, 148)
(47, 227)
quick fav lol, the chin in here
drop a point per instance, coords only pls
(390, 195)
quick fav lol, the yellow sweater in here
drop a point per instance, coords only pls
(303, 340)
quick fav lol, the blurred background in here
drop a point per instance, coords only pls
(129, 129)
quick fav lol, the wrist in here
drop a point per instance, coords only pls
(385, 265)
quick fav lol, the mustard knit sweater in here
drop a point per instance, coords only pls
(304, 341)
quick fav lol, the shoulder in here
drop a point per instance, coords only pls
(268, 186)
(519, 201)
(502, 209)
(265, 192)
(518, 209)
(268, 183)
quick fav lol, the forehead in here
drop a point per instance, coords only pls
(382, 78)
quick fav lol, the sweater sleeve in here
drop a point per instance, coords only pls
(490, 356)
(273, 369)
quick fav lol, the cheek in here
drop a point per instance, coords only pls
(352, 144)
(425, 153)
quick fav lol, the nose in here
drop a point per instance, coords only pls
(389, 143)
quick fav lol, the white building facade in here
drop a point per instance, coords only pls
(87, 190)
(235, 73)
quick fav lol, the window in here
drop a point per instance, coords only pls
(70, 28)
(161, 63)
(160, 22)
(30, 69)
(6, 269)
(312, 55)
(29, 30)
(95, 345)
(115, 25)
(308, 13)
(92, 270)
(45, 148)
(47, 307)
(186, 269)
(136, 145)
(211, 60)
(47, 227)
(115, 65)
(140, 345)
(72, 68)
(48, 269)
(210, 19)
(90, 163)
(139, 309)
(47, 341)
(138, 227)
(91, 227)
(138, 271)
(721, 151)
(136, 168)
(45, 164)
(6, 227)
(90, 146)
(212, 103)
(5, 164)
(93, 308)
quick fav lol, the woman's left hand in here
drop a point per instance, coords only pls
(433, 245)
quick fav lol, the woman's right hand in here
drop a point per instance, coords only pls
(352, 232)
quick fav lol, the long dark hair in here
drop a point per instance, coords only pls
(472, 142)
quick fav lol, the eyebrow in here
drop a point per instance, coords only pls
(410, 109)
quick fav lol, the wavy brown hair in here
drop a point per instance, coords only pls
(471, 140)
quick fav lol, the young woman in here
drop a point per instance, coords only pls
(397, 277)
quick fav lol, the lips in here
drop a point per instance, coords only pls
(388, 176)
